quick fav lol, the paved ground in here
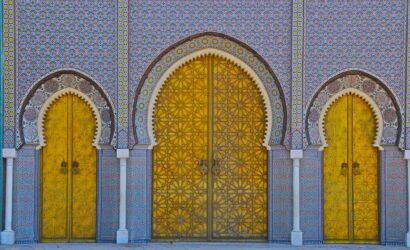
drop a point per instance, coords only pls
(195, 246)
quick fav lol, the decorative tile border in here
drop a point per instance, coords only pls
(297, 74)
(1, 109)
(8, 73)
(122, 81)
(391, 114)
(28, 113)
(200, 42)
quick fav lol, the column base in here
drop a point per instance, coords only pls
(122, 236)
(296, 238)
(7, 237)
(408, 239)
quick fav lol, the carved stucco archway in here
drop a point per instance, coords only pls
(209, 44)
(48, 89)
(374, 92)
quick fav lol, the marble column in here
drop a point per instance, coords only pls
(296, 234)
(122, 233)
(7, 236)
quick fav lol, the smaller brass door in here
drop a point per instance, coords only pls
(68, 173)
(350, 173)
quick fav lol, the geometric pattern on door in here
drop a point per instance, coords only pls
(68, 172)
(350, 173)
(209, 164)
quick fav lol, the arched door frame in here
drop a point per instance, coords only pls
(104, 108)
(321, 93)
(209, 43)
(20, 135)
(379, 142)
(189, 48)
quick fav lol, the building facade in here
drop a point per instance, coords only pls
(135, 121)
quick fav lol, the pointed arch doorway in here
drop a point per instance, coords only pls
(350, 172)
(68, 172)
(209, 162)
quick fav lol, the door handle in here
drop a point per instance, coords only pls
(203, 166)
(344, 169)
(216, 167)
(356, 168)
(63, 167)
(75, 167)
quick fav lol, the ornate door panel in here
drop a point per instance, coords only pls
(365, 174)
(350, 173)
(54, 184)
(209, 174)
(335, 198)
(239, 173)
(179, 187)
(84, 162)
(68, 173)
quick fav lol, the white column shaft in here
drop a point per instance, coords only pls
(123, 193)
(296, 236)
(9, 194)
(296, 195)
(8, 235)
(122, 233)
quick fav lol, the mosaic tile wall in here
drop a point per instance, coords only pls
(227, 45)
(108, 196)
(156, 25)
(407, 62)
(8, 70)
(311, 195)
(25, 195)
(66, 34)
(395, 214)
(393, 207)
(339, 35)
(139, 195)
(361, 34)
(282, 195)
(297, 74)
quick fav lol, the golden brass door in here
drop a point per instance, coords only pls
(68, 173)
(209, 165)
(350, 173)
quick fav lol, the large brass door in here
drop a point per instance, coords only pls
(350, 179)
(209, 165)
(68, 173)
